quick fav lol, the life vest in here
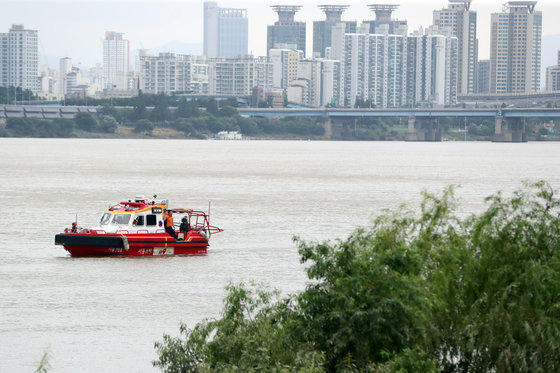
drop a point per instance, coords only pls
(168, 220)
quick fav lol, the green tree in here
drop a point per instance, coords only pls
(20, 126)
(144, 126)
(108, 124)
(433, 291)
(85, 121)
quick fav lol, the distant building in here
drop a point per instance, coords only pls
(19, 59)
(65, 67)
(284, 66)
(462, 22)
(483, 76)
(166, 73)
(116, 61)
(238, 76)
(553, 76)
(322, 30)
(226, 31)
(286, 33)
(372, 67)
(432, 67)
(515, 48)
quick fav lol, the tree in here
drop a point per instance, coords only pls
(108, 124)
(85, 121)
(144, 126)
(433, 291)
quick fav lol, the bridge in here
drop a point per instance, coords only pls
(423, 124)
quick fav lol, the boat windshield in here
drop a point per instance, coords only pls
(121, 219)
(105, 219)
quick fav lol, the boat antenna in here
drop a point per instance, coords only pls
(76, 219)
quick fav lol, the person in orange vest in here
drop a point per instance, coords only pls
(168, 223)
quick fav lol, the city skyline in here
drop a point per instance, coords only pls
(76, 29)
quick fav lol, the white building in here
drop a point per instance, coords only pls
(116, 61)
(285, 66)
(432, 67)
(166, 73)
(65, 67)
(373, 67)
(19, 59)
(515, 48)
(306, 88)
(461, 21)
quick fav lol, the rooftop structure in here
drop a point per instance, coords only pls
(286, 13)
(333, 12)
(383, 11)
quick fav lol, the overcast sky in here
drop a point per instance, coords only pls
(76, 28)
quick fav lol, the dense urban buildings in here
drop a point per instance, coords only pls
(116, 61)
(462, 22)
(19, 58)
(515, 48)
(226, 31)
(322, 30)
(377, 63)
(286, 33)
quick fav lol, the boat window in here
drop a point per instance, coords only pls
(139, 220)
(121, 219)
(105, 219)
(151, 219)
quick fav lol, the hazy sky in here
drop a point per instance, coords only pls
(76, 28)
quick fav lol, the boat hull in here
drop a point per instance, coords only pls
(157, 244)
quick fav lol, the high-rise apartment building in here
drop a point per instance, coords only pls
(166, 73)
(553, 76)
(462, 22)
(322, 30)
(432, 67)
(284, 66)
(226, 31)
(515, 48)
(483, 76)
(19, 58)
(237, 76)
(65, 67)
(286, 33)
(373, 67)
(116, 61)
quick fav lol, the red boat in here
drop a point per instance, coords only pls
(136, 227)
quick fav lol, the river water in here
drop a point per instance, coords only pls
(104, 314)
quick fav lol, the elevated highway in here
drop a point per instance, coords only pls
(423, 124)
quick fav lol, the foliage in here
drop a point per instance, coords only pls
(44, 364)
(433, 291)
(85, 121)
(144, 125)
(108, 124)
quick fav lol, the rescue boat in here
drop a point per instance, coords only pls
(136, 227)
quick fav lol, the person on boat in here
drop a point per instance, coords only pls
(168, 223)
(184, 224)
(74, 227)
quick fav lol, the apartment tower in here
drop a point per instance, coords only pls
(19, 58)
(515, 48)
(461, 21)
(116, 61)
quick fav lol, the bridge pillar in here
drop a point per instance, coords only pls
(509, 130)
(423, 129)
(328, 128)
